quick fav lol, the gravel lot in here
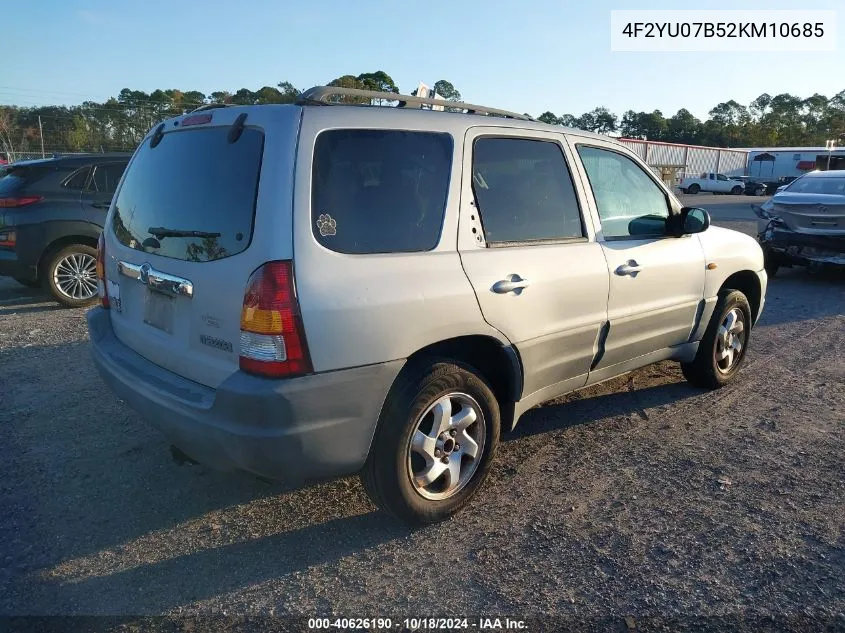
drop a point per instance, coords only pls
(641, 497)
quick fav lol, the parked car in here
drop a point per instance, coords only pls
(804, 223)
(51, 213)
(712, 182)
(751, 187)
(312, 290)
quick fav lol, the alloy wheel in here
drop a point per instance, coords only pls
(446, 447)
(75, 276)
(730, 340)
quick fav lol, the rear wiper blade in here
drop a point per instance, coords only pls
(160, 232)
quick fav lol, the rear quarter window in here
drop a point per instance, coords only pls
(379, 191)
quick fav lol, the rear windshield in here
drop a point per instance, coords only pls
(379, 191)
(192, 196)
(834, 185)
(15, 178)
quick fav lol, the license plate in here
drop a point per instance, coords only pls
(158, 311)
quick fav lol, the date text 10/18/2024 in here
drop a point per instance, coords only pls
(417, 624)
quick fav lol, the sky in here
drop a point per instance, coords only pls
(531, 56)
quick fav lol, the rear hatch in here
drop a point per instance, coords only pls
(17, 179)
(813, 205)
(203, 203)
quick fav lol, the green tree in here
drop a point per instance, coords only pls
(378, 81)
(683, 127)
(599, 120)
(445, 90)
(548, 117)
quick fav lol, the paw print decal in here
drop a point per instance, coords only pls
(326, 224)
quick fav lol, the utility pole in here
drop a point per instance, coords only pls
(41, 132)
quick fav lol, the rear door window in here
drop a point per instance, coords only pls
(192, 197)
(524, 191)
(379, 191)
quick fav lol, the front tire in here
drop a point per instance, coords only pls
(737, 191)
(70, 275)
(694, 189)
(725, 342)
(435, 442)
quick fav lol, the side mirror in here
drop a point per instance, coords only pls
(694, 220)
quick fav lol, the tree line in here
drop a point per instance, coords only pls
(783, 120)
(120, 122)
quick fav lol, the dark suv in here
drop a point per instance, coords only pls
(51, 214)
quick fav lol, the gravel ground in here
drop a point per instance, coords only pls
(641, 498)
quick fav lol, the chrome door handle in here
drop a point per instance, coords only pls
(630, 268)
(513, 283)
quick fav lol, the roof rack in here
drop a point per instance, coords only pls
(322, 95)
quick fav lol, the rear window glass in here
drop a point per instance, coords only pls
(192, 196)
(831, 185)
(17, 178)
(379, 191)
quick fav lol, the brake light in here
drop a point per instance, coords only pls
(196, 119)
(272, 335)
(14, 203)
(8, 239)
(102, 288)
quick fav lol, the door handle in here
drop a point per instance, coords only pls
(513, 283)
(631, 267)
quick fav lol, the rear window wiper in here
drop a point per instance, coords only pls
(161, 232)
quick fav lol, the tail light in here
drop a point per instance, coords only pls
(8, 239)
(14, 203)
(102, 288)
(272, 336)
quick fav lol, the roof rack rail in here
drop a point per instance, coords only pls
(322, 95)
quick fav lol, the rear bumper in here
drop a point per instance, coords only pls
(298, 430)
(12, 266)
(802, 247)
(22, 261)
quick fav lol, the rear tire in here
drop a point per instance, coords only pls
(760, 191)
(70, 275)
(415, 435)
(725, 342)
(771, 261)
(693, 189)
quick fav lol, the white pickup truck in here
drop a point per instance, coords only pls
(715, 183)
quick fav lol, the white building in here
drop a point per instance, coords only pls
(688, 160)
(772, 163)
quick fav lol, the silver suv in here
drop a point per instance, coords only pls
(313, 290)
